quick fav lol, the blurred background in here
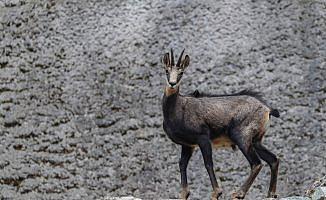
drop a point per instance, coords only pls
(81, 85)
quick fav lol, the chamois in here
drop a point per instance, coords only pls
(206, 121)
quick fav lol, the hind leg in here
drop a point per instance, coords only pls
(273, 163)
(249, 152)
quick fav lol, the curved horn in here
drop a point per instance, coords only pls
(172, 58)
(179, 61)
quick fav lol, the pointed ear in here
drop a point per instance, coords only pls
(166, 60)
(185, 62)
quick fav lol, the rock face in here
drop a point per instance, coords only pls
(120, 198)
(296, 198)
(319, 194)
(81, 84)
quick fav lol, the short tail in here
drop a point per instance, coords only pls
(275, 113)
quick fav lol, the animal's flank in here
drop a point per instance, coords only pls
(255, 94)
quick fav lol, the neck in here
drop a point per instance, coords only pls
(169, 101)
(171, 91)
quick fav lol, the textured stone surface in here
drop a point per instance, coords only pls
(319, 194)
(81, 83)
(121, 198)
(296, 198)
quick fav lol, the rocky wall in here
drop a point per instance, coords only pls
(81, 86)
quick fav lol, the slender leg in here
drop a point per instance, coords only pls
(253, 159)
(186, 153)
(206, 150)
(273, 162)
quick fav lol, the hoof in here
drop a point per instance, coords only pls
(185, 194)
(238, 195)
(272, 195)
(216, 193)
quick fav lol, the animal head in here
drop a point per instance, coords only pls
(174, 71)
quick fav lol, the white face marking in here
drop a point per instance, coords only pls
(173, 77)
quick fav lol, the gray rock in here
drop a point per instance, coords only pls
(81, 85)
(319, 194)
(296, 198)
(121, 198)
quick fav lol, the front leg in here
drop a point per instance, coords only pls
(186, 153)
(206, 150)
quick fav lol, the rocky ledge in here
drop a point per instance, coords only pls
(317, 191)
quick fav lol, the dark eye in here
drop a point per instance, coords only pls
(166, 71)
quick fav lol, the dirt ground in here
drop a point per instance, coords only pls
(81, 85)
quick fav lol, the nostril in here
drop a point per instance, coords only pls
(173, 83)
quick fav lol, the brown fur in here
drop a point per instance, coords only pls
(169, 91)
(222, 141)
(219, 121)
(263, 125)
